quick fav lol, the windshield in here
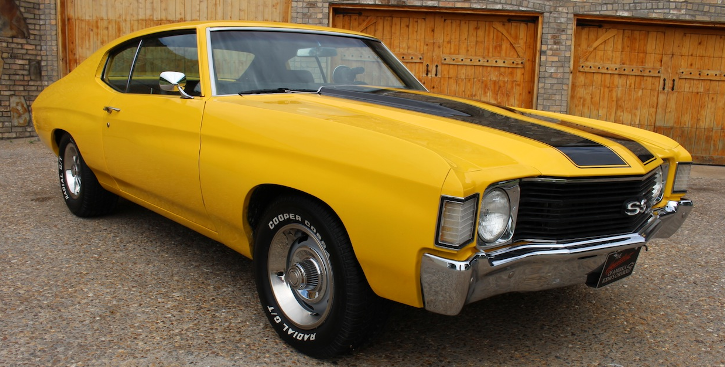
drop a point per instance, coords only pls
(254, 61)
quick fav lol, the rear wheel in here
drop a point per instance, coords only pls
(83, 195)
(311, 286)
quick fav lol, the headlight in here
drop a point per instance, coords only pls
(456, 221)
(682, 177)
(658, 190)
(495, 213)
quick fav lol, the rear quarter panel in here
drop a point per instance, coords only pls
(74, 104)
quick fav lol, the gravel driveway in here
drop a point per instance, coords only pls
(136, 289)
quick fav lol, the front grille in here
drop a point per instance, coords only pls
(563, 209)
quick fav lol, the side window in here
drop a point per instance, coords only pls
(118, 67)
(170, 53)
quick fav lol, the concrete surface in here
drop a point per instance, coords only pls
(135, 289)
(702, 171)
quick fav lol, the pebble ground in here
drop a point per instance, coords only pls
(136, 289)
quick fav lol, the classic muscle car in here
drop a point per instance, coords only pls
(315, 152)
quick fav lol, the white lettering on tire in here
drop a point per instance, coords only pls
(283, 217)
(290, 331)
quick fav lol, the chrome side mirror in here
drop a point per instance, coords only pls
(173, 81)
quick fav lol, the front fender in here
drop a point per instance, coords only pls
(387, 198)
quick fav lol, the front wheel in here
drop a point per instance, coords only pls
(81, 191)
(311, 286)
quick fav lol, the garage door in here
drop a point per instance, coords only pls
(483, 57)
(89, 24)
(666, 79)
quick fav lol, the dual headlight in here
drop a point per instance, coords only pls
(496, 216)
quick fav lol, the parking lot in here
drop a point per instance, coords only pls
(136, 289)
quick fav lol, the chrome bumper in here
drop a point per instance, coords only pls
(448, 285)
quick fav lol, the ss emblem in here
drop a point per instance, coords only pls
(634, 207)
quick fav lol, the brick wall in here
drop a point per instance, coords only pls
(557, 28)
(29, 63)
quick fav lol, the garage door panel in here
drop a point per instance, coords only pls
(88, 24)
(459, 54)
(481, 53)
(666, 79)
(615, 72)
(698, 90)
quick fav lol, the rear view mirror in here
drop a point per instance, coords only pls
(317, 52)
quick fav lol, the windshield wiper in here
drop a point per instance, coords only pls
(275, 90)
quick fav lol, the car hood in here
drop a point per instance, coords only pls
(472, 136)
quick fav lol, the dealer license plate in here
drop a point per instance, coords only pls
(619, 265)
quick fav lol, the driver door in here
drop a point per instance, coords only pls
(151, 140)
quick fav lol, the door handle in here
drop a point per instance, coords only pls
(426, 69)
(110, 109)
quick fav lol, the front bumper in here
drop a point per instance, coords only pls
(448, 285)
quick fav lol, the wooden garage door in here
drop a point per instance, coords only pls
(666, 79)
(89, 24)
(483, 57)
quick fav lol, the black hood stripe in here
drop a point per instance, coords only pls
(581, 151)
(393, 101)
(635, 147)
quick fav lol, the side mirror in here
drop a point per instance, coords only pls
(173, 81)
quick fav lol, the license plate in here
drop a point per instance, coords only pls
(619, 265)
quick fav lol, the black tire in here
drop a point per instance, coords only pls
(303, 256)
(83, 195)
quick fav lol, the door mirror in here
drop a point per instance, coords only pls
(174, 81)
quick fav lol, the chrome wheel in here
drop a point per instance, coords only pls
(310, 284)
(300, 276)
(72, 170)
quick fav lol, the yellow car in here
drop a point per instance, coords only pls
(314, 152)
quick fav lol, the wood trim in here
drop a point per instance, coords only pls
(700, 74)
(516, 45)
(61, 35)
(483, 61)
(611, 33)
(288, 4)
(462, 11)
(537, 65)
(366, 24)
(649, 22)
(592, 67)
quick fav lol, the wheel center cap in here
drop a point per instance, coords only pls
(304, 275)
